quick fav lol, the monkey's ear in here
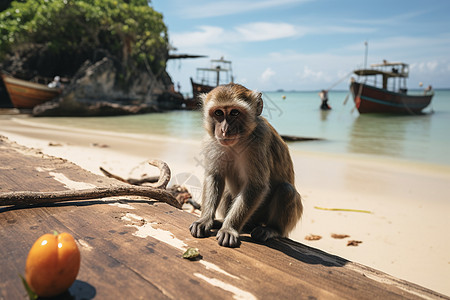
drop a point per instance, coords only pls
(202, 97)
(259, 102)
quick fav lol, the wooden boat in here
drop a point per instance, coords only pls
(25, 94)
(390, 94)
(219, 72)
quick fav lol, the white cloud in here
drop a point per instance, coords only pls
(250, 32)
(205, 36)
(432, 65)
(264, 31)
(313, 75)
(429, 66)
(254, 32)
(297, 71)
(267, 75)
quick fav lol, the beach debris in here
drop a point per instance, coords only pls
(156, 191)
(339, 236)
(344, 209)
(313, 237)
(192, 254)
(291, 138)
(182, 194)
(99, 145)
(54, 144)
(353, 243)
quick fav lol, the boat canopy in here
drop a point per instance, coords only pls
(218, 65)
(219, 72)
(387, 70)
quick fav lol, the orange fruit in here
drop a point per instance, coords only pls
(52, 264)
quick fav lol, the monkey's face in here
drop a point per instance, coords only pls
(228, 124)
(231, 112)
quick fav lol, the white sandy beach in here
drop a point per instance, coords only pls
(405, 234)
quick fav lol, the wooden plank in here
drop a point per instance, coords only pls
(112, 255)
(132, 248)
(98, 269)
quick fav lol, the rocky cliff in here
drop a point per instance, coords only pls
(112, 54)
(95, 90)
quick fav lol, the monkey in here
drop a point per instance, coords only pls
(249, 175)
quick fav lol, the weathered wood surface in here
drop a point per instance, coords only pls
(132, 249)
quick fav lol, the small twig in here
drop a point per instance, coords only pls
(161, 181)
(353, 243)
(147, 180)
(344, 209)
(132, 181)
(110, 175)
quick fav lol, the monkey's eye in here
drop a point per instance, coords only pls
(218, 113)
(234, 112)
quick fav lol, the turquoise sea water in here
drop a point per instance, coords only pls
(424, 138)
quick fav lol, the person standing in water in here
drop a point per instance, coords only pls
(324, 97)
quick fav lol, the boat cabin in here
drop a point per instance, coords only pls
(397, 71)
(218, 73)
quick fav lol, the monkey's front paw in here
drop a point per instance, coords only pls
(200, 229)
(228, 238)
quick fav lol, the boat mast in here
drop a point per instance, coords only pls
(218, 75)
(366, 44)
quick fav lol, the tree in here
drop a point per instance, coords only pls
(71, 31)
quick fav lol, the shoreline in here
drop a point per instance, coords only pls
(404, 235)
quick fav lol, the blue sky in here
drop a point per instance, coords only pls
(308, 44)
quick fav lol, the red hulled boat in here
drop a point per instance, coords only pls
(390, 94)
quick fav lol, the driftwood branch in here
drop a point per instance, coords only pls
(156, 191)
(164, 176)
(29, 198)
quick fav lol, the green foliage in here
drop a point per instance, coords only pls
(128, 29)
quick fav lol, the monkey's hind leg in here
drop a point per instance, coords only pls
(284, 210)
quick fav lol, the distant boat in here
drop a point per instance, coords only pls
(390, 94)
(219, 72)
(25, 94)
